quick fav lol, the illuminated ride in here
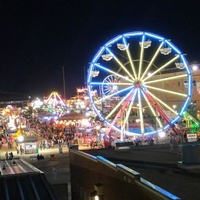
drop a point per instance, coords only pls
(54, 99)
(139, 76)
(109, 87)
(55, 104)
(191, 123)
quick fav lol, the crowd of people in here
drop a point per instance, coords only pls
(53, 135)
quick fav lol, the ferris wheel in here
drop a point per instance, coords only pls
(110, 84)
(142, 81)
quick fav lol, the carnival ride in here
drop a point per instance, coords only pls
(55, 104)
(138, 76)
(192, 124)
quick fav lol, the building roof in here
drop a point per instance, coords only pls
(20, 180)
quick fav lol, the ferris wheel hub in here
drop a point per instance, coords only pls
(137, 83)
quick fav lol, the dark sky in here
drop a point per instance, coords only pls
(38, 38)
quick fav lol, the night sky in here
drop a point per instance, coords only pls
(38, 38)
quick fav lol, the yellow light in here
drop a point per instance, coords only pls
(167, 91)
(153, 58)
(165, 79)
(123, 67)
(162, 67)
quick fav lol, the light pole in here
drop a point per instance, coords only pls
(84, 76)
(63, 71)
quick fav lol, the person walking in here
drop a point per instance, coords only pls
(21, 149)
(11, 156)
(38, 157)
(6, 155)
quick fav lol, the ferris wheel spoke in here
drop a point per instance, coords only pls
(166, 91)
(141, 56)
(129, 57)
(121, 111)
(152, 110)
(114, 109)
(107, 91)
(120, 84)
(114, 94)
(163, 103)
(109, 80)
(120, 64)
(152, 60)
(140, 113)
(159, 109)
(166, 79)
(106, 86)
(110, 83)
(129, 108)
(112, 72)
(119, 104)
(163, 67)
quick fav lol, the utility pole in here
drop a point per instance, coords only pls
(84, 76)
(63, 71)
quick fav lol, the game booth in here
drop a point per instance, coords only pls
(29, 144)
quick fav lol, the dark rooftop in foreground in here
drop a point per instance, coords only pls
(159, 166)
(20, 180)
